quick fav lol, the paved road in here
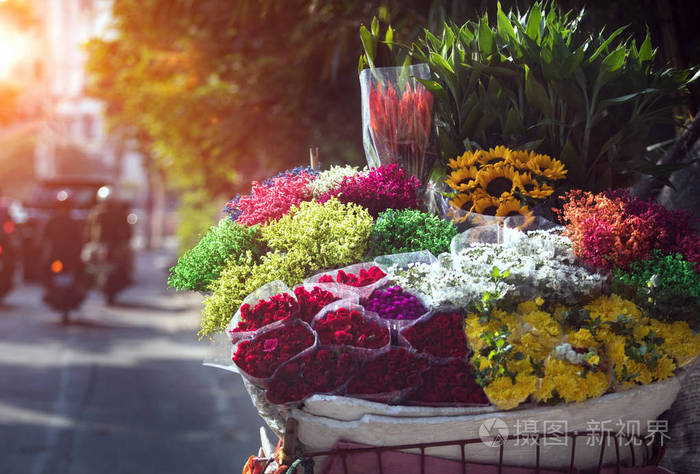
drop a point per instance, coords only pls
(120, 391)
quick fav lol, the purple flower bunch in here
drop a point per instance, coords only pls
(394, 303)
(386, 187)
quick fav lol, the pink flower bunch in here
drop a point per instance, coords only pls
(386, 187)
(613, 229)
(269, 202)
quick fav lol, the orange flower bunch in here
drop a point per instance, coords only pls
(502, 182)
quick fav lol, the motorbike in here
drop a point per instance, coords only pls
(109, 267)
(8, 256)
(64, 287)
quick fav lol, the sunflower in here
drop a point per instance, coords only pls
(545, 165)
(487, 205)
(495, 156)
(463, 179)
(511, 207)
(463, 201)
(468, 158)
(531, 188)
(497, 181)
(519, 158)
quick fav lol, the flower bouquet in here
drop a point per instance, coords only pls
(397, 118)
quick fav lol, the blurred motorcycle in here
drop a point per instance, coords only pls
(64, 288)
(63, 271)
(109, 267)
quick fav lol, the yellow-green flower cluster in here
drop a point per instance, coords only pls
(572, 354)
(310, 237)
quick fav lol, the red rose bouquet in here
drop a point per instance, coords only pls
(389, 376)
(440, 334)
(363, 278)
(311, 302)
(322, 371)
(276, 308)
(349, 326)
(262, 355)
(449, 383)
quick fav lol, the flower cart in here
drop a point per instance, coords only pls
(389, 320)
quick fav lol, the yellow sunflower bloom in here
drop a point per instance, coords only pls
(463, 201)
(467, 159)
(487, 205)
(519, 158)
(495, 156)
(545, 165)
(498, 181)
(463, 179)
(511, 207)
(530, 187)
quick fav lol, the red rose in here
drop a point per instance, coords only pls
(441, 335)
(395, 370)
(260, 356)
(449, 383)
(350, 327)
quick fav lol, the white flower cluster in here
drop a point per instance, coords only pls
(330, 179)
(539, 263)
(565, 351)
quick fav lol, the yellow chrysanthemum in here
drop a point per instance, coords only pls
(511, 207)
(463, 179)
(467, 159)
(542, 322)
(487, 205)
(475, 328)
(680, 342)
(582, 338)
(498, 181)
(545, 165)
(507, 395)
(527, 306)
(537, 346)
(495, 156)
(530, 187)
(608, 308)
(569, 381)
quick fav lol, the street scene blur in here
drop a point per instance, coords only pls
(146, 215)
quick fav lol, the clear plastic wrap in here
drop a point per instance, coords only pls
(356, 269)
(397, 120)
(402, 260)
(515, 225)
(262, 337)
(483, 234)
(362, 352)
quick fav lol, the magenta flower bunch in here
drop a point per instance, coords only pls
(386, 187)
(270, 200)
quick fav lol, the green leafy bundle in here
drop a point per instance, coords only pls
(537, 81)
(666, 286)
(309, 238)
(227, 242)
(408, 230)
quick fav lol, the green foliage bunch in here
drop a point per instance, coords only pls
(311, 237)
(201, 265)
(666, 286)
(330, 235)
(538, 81)
(409, 230)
